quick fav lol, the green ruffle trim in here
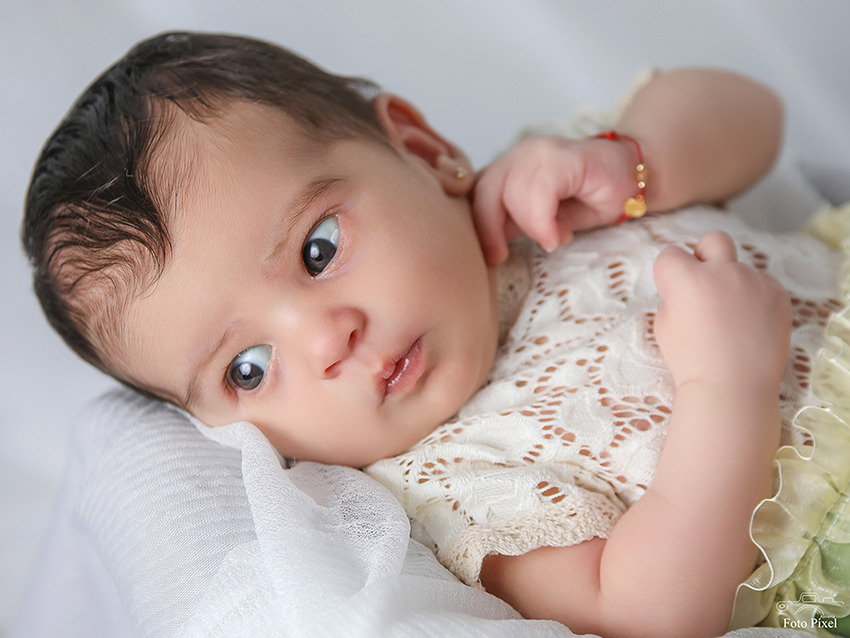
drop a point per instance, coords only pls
(804, 531)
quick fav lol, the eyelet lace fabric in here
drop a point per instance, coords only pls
(567, 431)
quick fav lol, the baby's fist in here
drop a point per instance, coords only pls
(720, 320)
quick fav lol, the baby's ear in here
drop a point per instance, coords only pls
(408, 131)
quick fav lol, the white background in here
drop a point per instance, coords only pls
(479, 69)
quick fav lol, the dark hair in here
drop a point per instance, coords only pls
(94, 223)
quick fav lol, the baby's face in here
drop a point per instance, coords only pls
(333, 295)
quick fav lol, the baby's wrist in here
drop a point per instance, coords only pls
(635, 199)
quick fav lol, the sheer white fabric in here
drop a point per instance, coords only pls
(163, 532)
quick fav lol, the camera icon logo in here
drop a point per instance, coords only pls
(795, 614)
(808, 598)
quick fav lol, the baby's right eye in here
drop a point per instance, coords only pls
(246, 371)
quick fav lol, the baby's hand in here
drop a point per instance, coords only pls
(549, 187)
(720, 321)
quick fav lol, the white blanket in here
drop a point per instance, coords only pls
(165, 532)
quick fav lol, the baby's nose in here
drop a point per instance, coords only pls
(331, 339)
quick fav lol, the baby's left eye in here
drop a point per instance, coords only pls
(321, 246)
(247, 370)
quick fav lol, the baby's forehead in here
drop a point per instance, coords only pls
(196, 156)
(190, 146)
(235, 121)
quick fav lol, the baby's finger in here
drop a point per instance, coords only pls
(491, 236)
(576, 215)
(670, 264)
(489, 217)
(532, 203)
(716, 246)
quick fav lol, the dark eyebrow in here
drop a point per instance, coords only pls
(299, 205)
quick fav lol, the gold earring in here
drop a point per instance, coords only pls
(461, 172)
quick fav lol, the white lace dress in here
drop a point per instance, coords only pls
(567, 431)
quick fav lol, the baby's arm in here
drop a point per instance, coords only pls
(672, 562)
(706, 135)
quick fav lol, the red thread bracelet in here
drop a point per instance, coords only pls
(633, 207)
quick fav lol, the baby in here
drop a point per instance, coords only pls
(221, 225)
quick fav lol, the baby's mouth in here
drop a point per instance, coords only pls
(402, 374)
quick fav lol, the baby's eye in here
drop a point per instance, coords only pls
(321, 246)
(246, 371)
